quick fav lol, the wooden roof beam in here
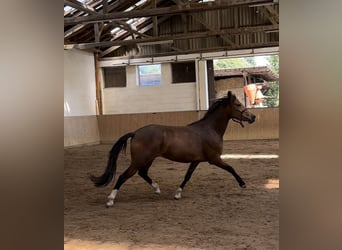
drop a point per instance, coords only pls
(173, 10)
(128, 28)
(72, 30)
(79, 6)
(175, 37)
(273, 12)
(142, 30)
(200, 50)
(270, 17)
(204, 23)
(104, 6)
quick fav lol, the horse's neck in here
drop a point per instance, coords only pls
(218, 121)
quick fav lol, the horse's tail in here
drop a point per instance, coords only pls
(109, 173)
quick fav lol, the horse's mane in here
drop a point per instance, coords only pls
(211, 109)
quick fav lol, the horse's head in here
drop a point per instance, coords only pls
(239, 113)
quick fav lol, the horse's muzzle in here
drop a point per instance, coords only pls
(251, 118)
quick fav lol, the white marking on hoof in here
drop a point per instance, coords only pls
(112, 194)
(156, 188)
(178, 194)
(111, 198)
(110, 203)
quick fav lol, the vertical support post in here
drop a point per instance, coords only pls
(105, 6)
(245, 83)
(155, 21)
(96, 32)
(211, 82)
(202, 90)
(98, 84)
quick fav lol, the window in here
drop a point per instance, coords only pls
(149, 75)
(183, 72)
(114, 77)
(262, 70)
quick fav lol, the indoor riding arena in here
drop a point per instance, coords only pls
(206, 75)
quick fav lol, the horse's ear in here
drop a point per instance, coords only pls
(229, 94)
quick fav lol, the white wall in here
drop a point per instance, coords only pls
(145, 99)
(202, 86)
(79, 83)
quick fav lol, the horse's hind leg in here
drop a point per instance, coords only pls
(122, 179)
(143, 172)
(187, 177)
(231, 170)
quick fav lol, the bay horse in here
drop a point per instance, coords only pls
(200, 141)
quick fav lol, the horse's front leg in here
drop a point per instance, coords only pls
(187, 177)
(219, 163)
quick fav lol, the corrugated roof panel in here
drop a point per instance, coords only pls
(194, 22)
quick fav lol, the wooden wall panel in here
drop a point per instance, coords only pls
(111, 127)
(266, 126)
(81, 130)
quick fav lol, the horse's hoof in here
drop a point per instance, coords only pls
(110, 203)
(243, 185)
(156, 188)
(177, 197)
(178, 194)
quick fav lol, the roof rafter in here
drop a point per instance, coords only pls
(105, 26)
(175, 37)
(181, 3)
(105, 6)
(268, 15)
(173, 10)
(273, 12)
(201, 50)
(79, 6)
(203, 22)
(142, 30)
(73, 30)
